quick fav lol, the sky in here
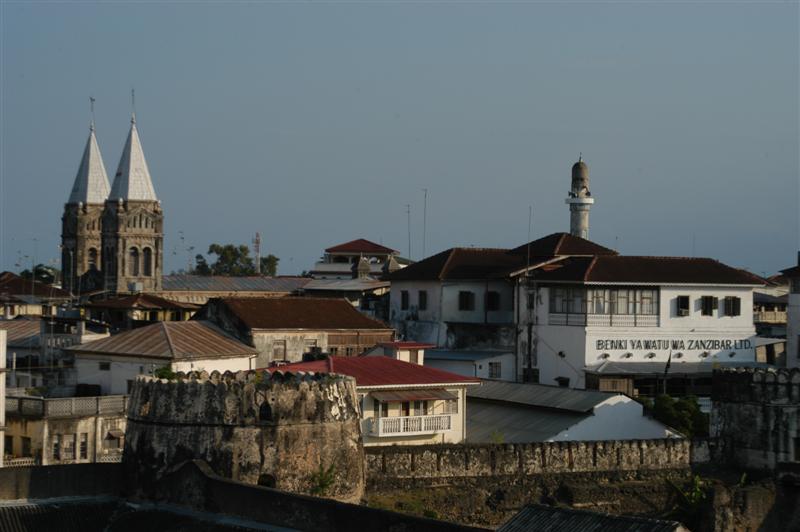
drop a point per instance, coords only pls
(315, 123)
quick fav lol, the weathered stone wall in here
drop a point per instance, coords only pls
(500, 460)
(756, 415)
(298, 432)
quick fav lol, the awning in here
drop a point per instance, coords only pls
(413, 395)
(115, 434)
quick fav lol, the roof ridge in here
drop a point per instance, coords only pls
(590, 268)
(441, 274)
(169, 339)
(560, 242)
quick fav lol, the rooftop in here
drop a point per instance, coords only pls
(298, 313)
(22, 332)
(12, 284)
(361, 245)
(141, 301)
(540, 395)
(170, 340)
(551, 519)
(209, 283)
(380, 371)
(345, 285)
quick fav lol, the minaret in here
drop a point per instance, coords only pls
(81, 223)
(579, 200)
(133, 221)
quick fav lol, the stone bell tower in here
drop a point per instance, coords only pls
(133, 225)
(579, 200)
(81, 223)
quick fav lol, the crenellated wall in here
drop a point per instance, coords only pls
(756, 416)
(298, 432)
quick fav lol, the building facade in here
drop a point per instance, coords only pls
(793, 316)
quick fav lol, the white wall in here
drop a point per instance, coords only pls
(459, 367)
(477, 368)
(617, 418)
(412, 323)
(295, 344)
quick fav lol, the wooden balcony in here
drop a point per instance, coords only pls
(410, 425)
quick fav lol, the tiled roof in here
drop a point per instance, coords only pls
(22, 332)
(794, 271)
(550, 519)
(632, 269)
(561, 244)
(216, 283)
(132, 180)
(12, 284)
(91, 181)
(379, 371)
(141, 301)
(360, 245)
(539, 395)
(299, 313)
(345, 285)
(170, 340)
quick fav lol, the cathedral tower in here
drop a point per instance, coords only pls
(579, 200)
(81, 223)
(133, 225)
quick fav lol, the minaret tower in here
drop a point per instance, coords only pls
(579, 200)
(133, 224)
(81, 223)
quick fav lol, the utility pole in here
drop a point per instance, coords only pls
(257, 249)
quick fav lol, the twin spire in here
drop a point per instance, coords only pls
(131, 182)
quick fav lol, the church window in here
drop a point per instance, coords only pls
(147, 261)
(133, 267)
(92, 259)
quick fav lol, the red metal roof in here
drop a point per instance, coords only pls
(361, 245)
(379, 371)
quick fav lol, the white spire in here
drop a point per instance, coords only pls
(132, 181)
(91, 183)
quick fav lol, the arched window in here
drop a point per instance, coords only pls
(147, 261)
(92, 259)
(133, 262)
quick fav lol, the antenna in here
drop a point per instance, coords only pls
(424, 222)
(257, 249)
(91, 110)
(408, 216)
(133, 105)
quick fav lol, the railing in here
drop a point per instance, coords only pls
(410, 425)
(769, 316)
(604, 320)
(21, 462)
(67, 407)
(110, 458)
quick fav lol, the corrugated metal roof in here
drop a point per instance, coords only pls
(379, 371)
(540, 518)
(299, 313)
(209, 283)
(141, 301)
(22, 332)
(345, 285)
(553, 397)
(12, 284)
(171, 340)
(487, 421)
(414, 395)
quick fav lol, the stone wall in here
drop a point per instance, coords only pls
(298, 432)
(501, 460)
(756, 416)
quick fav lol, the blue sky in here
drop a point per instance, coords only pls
(316, 123)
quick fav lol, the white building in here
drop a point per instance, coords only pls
(113, 363)
(413, 352)
(345, 261)
(402, 403)
(496, 365)
(793, 316)
(509, 412)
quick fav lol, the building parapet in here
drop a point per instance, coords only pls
(66, 407)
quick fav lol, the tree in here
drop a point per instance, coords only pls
(42, 273)
(201, 266)
(683, 415)
(269, 265)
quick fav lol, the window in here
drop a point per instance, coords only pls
(420, 408)
(494, 370)
(133, 262)
(403, 299)
(84, 445)
(349, 351)
(92, 259)
(405, 408)
(68, 450)
(492, 300)
(466, 300)
(451, 406)
(795, 285)
(733, 306)
(682, 306)
(562, 382)
(26, 446)
(376, 408)
(279, 350)
(423, 299)
(105, 366)
(413, 356)
(56, 447)
(129, 385)
(333, 350)
(9, 443)
(708, 304)
(147, 261)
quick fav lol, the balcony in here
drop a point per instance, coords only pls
(67, 407)
(410, 425)
(604, 320)
(769, 316)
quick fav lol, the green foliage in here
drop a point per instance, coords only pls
(233, 261)
(682, 414)
(692, 501)
(497, 437)
(322, 480)
(165, 372)
(430, 514)
(42, 273)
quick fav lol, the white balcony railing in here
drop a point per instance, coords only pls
(410, 425)
(769, 316)
(604, 320)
